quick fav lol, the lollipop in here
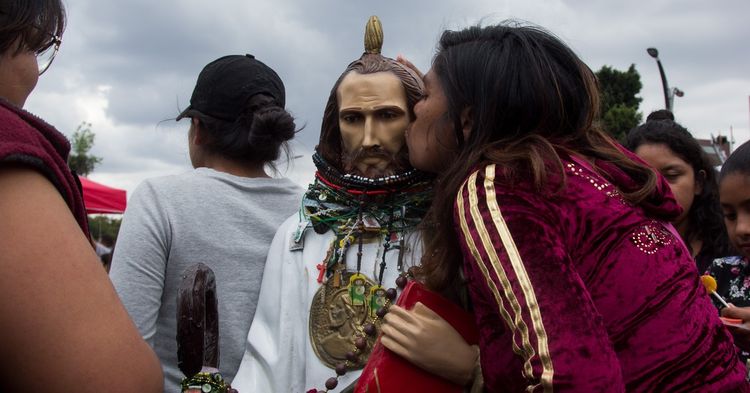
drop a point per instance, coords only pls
(710, 284)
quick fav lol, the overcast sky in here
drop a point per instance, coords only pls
(128, 67)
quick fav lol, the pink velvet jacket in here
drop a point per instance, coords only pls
(577, 290)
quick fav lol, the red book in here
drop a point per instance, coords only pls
(387, 372)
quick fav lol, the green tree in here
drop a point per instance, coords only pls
(80, 160)
(619, 100)
(103, 227)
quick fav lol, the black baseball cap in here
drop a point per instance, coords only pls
(225, 85)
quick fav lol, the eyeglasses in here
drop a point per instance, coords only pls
(45, 55)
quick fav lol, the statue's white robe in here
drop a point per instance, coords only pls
(278, 354)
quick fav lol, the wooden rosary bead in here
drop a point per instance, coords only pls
(331, 383)
(360, 343)
(341, 369)
(369, 329)
(401, 282)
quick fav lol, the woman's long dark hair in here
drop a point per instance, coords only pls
(530, 97)
(30, 24)
(705, 221)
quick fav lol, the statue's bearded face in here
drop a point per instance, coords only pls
(373, 116)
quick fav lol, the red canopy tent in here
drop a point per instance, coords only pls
(99, 198)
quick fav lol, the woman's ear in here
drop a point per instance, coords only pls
(700, 180)
(198, 134)
(467, 122)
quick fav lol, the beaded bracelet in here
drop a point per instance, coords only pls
(207, 383)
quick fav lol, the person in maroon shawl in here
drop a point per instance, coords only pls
(577, 280)
(63, 328)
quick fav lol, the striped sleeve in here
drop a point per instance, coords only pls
(516, 255)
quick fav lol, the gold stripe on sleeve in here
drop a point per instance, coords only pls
(489, 248)
(480, 263)
(523, 278)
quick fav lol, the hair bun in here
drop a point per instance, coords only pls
(257, 135)
(271, 125)
(661, 114)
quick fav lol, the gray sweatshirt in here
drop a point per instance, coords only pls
(224, 221)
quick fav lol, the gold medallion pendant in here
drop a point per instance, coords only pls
(338, 322)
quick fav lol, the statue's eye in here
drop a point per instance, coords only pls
(388, 115)
(350, 118)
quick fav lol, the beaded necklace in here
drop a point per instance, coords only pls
(355, 181)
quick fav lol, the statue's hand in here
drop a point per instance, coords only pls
(429, 342)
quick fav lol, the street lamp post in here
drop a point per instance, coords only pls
(668, 93)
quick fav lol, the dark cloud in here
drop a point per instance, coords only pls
(127, 66)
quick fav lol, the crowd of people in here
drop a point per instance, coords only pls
(472, 228)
